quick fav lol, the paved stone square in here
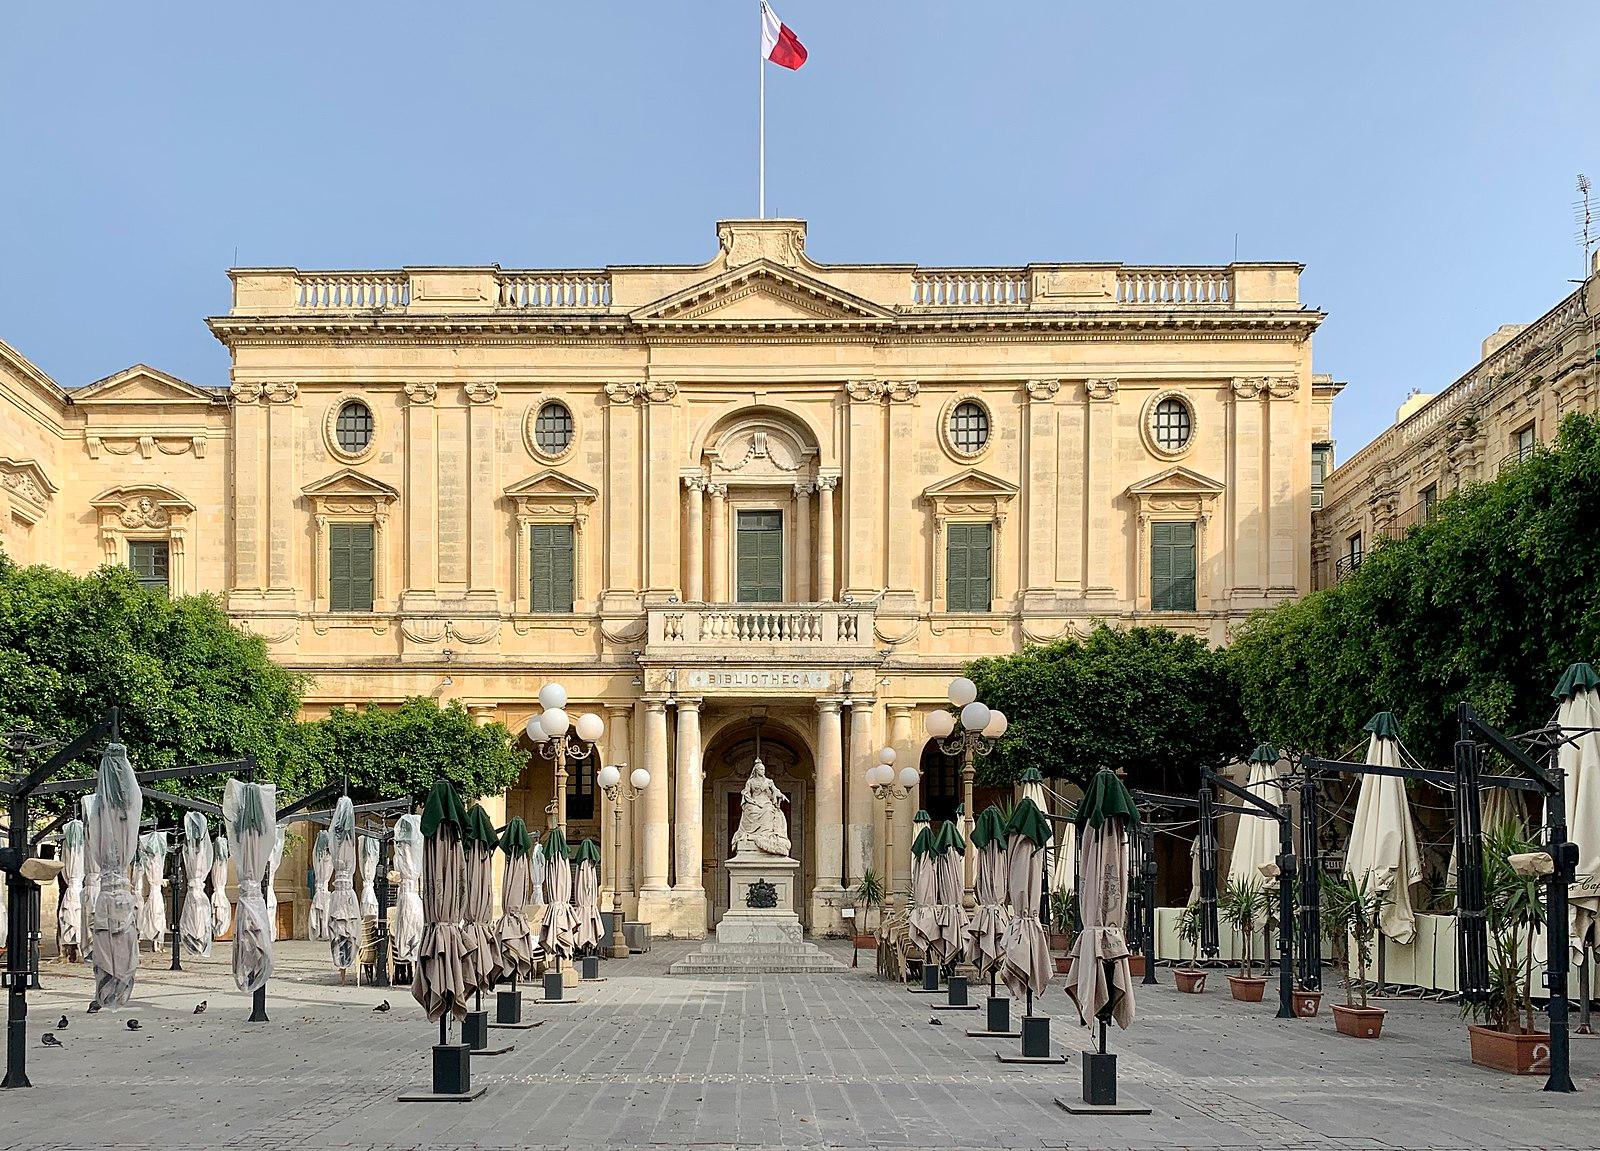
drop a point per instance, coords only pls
(651, 1060)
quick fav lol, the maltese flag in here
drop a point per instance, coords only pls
(778, 43)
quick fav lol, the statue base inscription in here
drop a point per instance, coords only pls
(760, 931)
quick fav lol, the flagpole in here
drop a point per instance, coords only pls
(761, 63)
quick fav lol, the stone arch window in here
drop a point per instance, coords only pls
(146, 527)
(354, 570)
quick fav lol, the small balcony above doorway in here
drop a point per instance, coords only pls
(745, 630)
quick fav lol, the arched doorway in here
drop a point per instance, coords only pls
(728, 761)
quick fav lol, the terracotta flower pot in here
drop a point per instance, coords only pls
(1306, 1003)
(1247, 990)
(1189, 979)
(1063, 964)
(866, 942)
(1518, 1052)
(1059, 941)
(1358, 1022)
(1136, 966)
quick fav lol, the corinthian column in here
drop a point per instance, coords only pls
(802, 543)
(863, 754)
(695, 545)
(825, 486)
(719, 542)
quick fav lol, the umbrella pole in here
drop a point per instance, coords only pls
(179, 879)
(443, 1038)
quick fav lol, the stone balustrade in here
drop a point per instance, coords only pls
(582, 291)
(351, 291)
(1174, 285)
(801, 627)
(969, 287)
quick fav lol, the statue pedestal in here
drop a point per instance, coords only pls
(747, 920)
(761, 938)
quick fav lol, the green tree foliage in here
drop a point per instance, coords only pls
(192, 687)
(391, 752)
(1487, 602)
(1158, 704)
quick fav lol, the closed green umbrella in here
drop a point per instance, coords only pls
(990, 919)
(949, 856)
(558, 936)
(440, 985)
(515, 933)
(590, 927)
(923, 923)
(1103, 988)
(1026, 966)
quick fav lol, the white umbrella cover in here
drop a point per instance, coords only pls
(194, 921)
(151, 861)
(1383, 838)
(536, 873)
(371, 852)
(69, 913)
(344, 908)
(274, 861)
(408, 900)
(247, 810)
(113, 839)
(221, 909)
(321, 873)
(1255, 842)
(1579, 759)
(91, 883)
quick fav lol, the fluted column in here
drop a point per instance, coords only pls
(802, 543)
(695, 542)
(827, 824)
(825, 486)
(719, 542)
(859, 837)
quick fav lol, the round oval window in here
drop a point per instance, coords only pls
(969, 427)
(552, 429)
(353, 429)
(1173, 424)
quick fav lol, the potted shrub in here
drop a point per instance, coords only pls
(1060, 932)
(1514, 913)
(868, 896)
(1350, 920)
(1243, 906)
(1190, 979)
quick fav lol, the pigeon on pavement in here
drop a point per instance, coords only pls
(61, 1024)
(384, 1006)
(200, 1008)
(133, 1025)
(49, 1040)
(93, 1007)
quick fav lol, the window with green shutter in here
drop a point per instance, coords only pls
(349, 567)
(968, 567)
(150, 560)
(1172, 567)
(759, 557)
(550, 552)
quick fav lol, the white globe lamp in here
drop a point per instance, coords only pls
(591, 727)
(609, 776)
(555, 722)
(886, 755)
(552, 695)
(996, 727)
(640, 779)
(909, 777)
(974, 716)
(940, 724)
(962, 691)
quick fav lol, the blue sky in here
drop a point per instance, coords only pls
(1419, 158)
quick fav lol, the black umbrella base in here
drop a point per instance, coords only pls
(1035, 1043)
(997, 1020)
(930, 977)
(452, 1077)
(1100, 1090)
(507, 1007)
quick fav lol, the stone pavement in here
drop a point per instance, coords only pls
(841, 1060)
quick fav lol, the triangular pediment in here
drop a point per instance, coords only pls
(26, 480)
(350, 483)
(970, 484)
(551, 484)
(762, 292)
(142, 384)
(1176, 481)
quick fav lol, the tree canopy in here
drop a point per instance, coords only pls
(1159, 704)
(1486, 602)
(407, 749)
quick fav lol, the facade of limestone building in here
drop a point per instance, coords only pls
(1513, 399)
(757, 502)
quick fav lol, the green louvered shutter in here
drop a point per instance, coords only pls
(350, 567)
(968, 565)
(760, 557)
(551, 567)
(1172, 567)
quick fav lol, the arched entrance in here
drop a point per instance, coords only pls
(728, 761)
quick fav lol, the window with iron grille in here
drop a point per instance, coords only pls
(353, 429)
(151, 562)
(1174, 424)
(552, 428)
(969, 427)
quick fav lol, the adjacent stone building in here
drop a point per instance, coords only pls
(762, 501)
(1529, 377)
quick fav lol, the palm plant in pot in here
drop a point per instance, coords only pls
(1243, 907)
(1060, 934)
(1191, 978)
(869, 895)
(1350, 910)
(1514, 912)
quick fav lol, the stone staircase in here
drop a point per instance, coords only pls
(714, 958)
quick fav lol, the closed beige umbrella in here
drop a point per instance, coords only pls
(922, 923)
(1026, 967)
(1383, 838)
(987, 930)
(344, 906)
(513, 930)
(113, 839)
(949, 861)
(590, 927)
(440, 986)
(480, 946)
(1102, 987)
(1255, 842)
(558, 935)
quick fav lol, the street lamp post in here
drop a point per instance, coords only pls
(889, 787)
(970, 734)
(556, 738)
(610, 781)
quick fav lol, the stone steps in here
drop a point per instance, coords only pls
(756, 959)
